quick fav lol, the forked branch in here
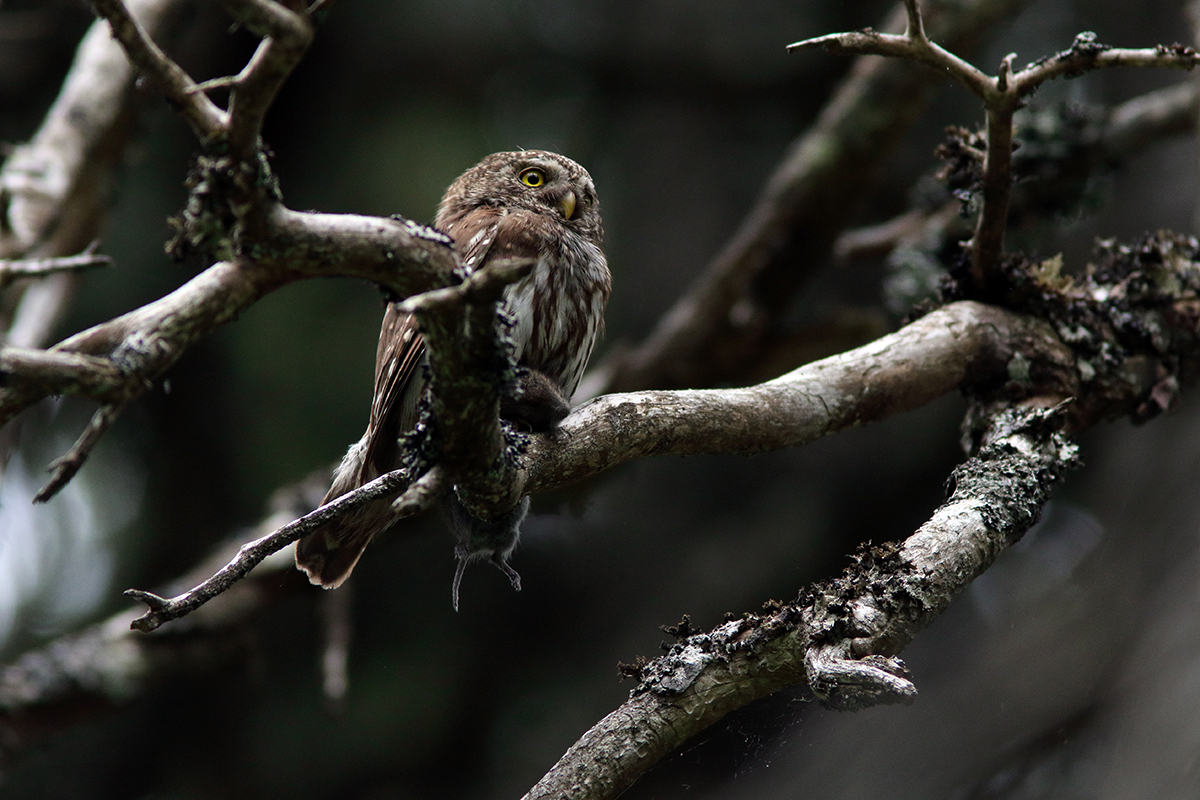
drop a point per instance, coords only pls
(1002, 95)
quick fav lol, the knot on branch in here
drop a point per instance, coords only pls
(845, 683)
(222, 190)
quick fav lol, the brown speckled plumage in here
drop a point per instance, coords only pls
(489, 212)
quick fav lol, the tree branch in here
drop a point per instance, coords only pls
(1001, 96)
(713, 332)
(469, 367)
(16, 269)
(1118, 135)
(206, 119)
(899, 372)
(418, 497)
(839, 638)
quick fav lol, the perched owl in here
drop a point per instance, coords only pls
(528, 203)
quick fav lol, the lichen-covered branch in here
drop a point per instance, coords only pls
(841, 638)
(469, 368)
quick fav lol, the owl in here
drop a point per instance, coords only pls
(524, 204)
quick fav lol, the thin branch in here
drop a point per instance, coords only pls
(286, 36)
(66, 466)
(1129, 128)
(418, 497)
(873, 43)
(14, 269)
(1087, 54)
(1001, 96)
(205, 117)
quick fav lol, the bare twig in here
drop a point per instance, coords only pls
(286, 36)
(168, 77)
(66, 466)
(1130, 128)
(13, 269)
(416, 498)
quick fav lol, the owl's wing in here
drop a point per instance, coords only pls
(401, 352)
(397, 388)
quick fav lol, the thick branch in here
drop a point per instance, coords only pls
(50, 372)
(902, 371)
(468, 368)
(840, 639)
(398, 254)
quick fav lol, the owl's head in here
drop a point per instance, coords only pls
(530, 180)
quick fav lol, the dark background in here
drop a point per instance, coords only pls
(1068, 670)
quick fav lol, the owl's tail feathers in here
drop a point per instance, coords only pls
(328, 554)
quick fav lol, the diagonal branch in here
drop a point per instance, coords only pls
(841, 638)
(900, 372)
(286, 36)
(202, 114)
(418, 497)
(65, 467)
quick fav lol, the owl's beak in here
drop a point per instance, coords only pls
(567, 205)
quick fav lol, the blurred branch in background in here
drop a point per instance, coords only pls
(715, 332)
(53, 188)
(111, 663)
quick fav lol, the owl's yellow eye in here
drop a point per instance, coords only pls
(533, 177)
